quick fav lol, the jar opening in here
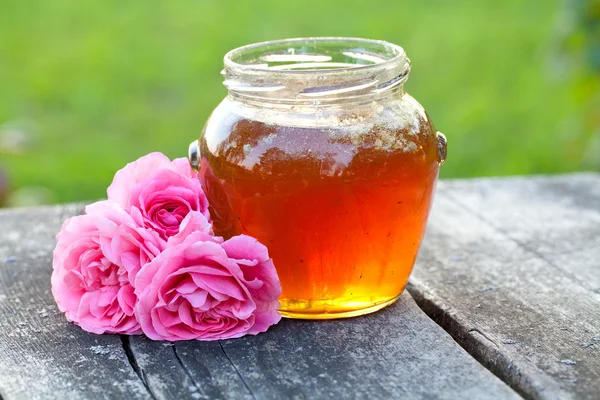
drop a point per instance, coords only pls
(291, 70)
(312, 54)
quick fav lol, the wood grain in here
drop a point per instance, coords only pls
(511, 269)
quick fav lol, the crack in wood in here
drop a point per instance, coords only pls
(492, 359)
(475, 330)
(185, 369)
(236, 370)
(125, 342)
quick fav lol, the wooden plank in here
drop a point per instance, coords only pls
(555, 218)
(196, 370)
(397, 352)
(511, 269)
(42, 356)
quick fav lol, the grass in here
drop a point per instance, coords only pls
(98, 83)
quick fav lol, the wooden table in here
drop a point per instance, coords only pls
(506, 304)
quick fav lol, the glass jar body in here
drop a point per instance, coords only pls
(340, 195)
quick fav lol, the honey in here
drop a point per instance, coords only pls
(343, 222)
(319, 153)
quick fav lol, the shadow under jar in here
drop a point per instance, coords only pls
(319, 153)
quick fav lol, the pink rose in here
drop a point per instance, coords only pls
(159, 193)
(259, 272)
(196, 290)
(96, 258)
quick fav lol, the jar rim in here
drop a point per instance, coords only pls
(396, 56)
(324, 69)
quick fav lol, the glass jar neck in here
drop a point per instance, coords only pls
(315, 71)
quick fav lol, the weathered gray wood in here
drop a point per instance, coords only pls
(398, 352)
(41, 355)
(511, 268)
(197, 370)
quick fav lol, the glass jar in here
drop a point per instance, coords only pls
(319, 153)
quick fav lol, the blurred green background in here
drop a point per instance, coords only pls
(86, 87)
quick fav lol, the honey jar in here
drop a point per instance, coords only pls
(319, 153)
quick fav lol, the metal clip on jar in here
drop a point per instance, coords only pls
(319, 153)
